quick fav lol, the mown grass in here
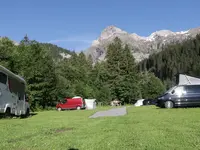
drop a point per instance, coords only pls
(142, 128)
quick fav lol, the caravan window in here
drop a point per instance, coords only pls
(3, 78)
(17, 88)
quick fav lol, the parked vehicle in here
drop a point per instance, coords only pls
(71, 103)
(13, 100)
(149, 102)
(180, 95)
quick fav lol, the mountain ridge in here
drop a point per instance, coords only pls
(141, 46)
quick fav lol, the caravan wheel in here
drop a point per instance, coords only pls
(78, 108)
(7, 113)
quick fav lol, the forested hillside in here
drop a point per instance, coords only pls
(55, 51)
(177, 58)
(49, 80)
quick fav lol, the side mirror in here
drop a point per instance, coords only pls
(173, 92)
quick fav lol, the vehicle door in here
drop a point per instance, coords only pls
(76, 102)
(178, 96)
(193, 95)
(5, 96)
(66, 105)
(20, 104)
(72, 103)
(19, 91)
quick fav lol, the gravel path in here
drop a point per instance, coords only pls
(110, 112)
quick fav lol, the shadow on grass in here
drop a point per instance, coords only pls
(25, 117)
(73, 149)
(33, 114)
(2, 116)
(178, 107)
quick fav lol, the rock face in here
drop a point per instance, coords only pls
(141, 47)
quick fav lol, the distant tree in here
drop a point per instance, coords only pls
(7, 52)
(151, 86)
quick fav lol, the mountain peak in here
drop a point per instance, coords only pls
(109, 32)
(112, 28)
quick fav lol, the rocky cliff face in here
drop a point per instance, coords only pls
(141, 47)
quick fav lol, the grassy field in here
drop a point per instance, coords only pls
(142, 128)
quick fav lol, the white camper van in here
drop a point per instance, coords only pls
(12, 94)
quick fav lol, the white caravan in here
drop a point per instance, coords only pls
(12, 94)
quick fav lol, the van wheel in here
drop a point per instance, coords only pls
(7, 113)
(78, 108)
(169, 104)
(59, 109)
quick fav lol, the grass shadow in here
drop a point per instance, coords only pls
(33, 114)
(2, 116)
(178, 107)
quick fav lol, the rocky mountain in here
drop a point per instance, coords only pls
(141, 47)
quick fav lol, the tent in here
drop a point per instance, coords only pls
(90, 103)
(139, 102)
(187, 80)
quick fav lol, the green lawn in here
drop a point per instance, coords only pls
(142, 128)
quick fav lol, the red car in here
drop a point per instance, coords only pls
(71, 103)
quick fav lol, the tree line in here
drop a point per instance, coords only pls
(50, 77)
(175, 59)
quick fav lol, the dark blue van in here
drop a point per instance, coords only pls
(181, 95)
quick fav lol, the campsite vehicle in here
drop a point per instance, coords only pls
(186, 93)
(71, 103)
(13, 100)
(149, 102)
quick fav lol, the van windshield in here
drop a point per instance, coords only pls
(3, 78)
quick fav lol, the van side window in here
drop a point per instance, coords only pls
(180, 90)
(193, 89)
(3, 78)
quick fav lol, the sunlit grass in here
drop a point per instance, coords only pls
(142, 128)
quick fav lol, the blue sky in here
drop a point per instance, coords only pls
(74, 24)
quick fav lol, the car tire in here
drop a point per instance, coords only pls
(59, 109)
(78, 107)
(169, 104)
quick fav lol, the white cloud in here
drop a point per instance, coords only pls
(77, 43)
(69, 40)
(80, 39)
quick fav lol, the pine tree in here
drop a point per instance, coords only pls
(122, 72)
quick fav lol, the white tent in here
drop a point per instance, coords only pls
(90, 103)
(187, 80)
(139, 102)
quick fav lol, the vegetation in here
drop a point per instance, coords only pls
(175, 59)
(51, 77)
(142, 128)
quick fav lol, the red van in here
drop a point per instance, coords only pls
(71, 103)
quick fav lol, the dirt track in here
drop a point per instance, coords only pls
(110, 112)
